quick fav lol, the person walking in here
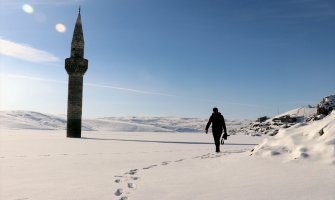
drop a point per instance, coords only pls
(218, 125)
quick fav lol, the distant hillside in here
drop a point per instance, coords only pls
(40, 121)
(304, 112)
(271, 126)
(285, 120)
(30, 120)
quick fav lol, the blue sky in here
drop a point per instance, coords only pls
(170, 57)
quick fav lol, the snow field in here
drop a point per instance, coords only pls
(39, 164)
(37, 161)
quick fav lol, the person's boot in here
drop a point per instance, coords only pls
(217, 149)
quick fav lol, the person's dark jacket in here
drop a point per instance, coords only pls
(218, 123)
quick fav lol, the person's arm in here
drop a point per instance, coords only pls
(224, 126)
(208, 124)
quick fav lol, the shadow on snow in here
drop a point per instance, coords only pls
(156, 141)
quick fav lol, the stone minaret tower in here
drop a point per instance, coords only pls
(76, 67)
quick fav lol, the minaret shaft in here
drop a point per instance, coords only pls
(74, 111)
(76, 66)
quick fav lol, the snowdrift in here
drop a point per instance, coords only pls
(312, 140)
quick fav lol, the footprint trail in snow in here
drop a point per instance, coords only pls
(128, 181)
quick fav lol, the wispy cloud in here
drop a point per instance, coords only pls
(87, 84)
(25, 52)
(128, 89)
(144, 92)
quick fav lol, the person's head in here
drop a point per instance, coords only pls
(215, 110)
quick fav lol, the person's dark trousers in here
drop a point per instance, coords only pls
(217, 137)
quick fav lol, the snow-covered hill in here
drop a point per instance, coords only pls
(30, 120)
(36, 120)
(285, 120)
(40, 121)
(314, 140)
(304, 112)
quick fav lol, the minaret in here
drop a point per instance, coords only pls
(76, 67)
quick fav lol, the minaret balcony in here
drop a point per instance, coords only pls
(76, 66)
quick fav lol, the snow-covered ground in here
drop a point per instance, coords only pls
(41, 163)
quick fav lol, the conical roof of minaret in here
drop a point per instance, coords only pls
(77, 45)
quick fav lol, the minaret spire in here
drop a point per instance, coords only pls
(77, 45)
(76, 66)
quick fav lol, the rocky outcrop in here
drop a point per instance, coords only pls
(326, 105)
(300, 115)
